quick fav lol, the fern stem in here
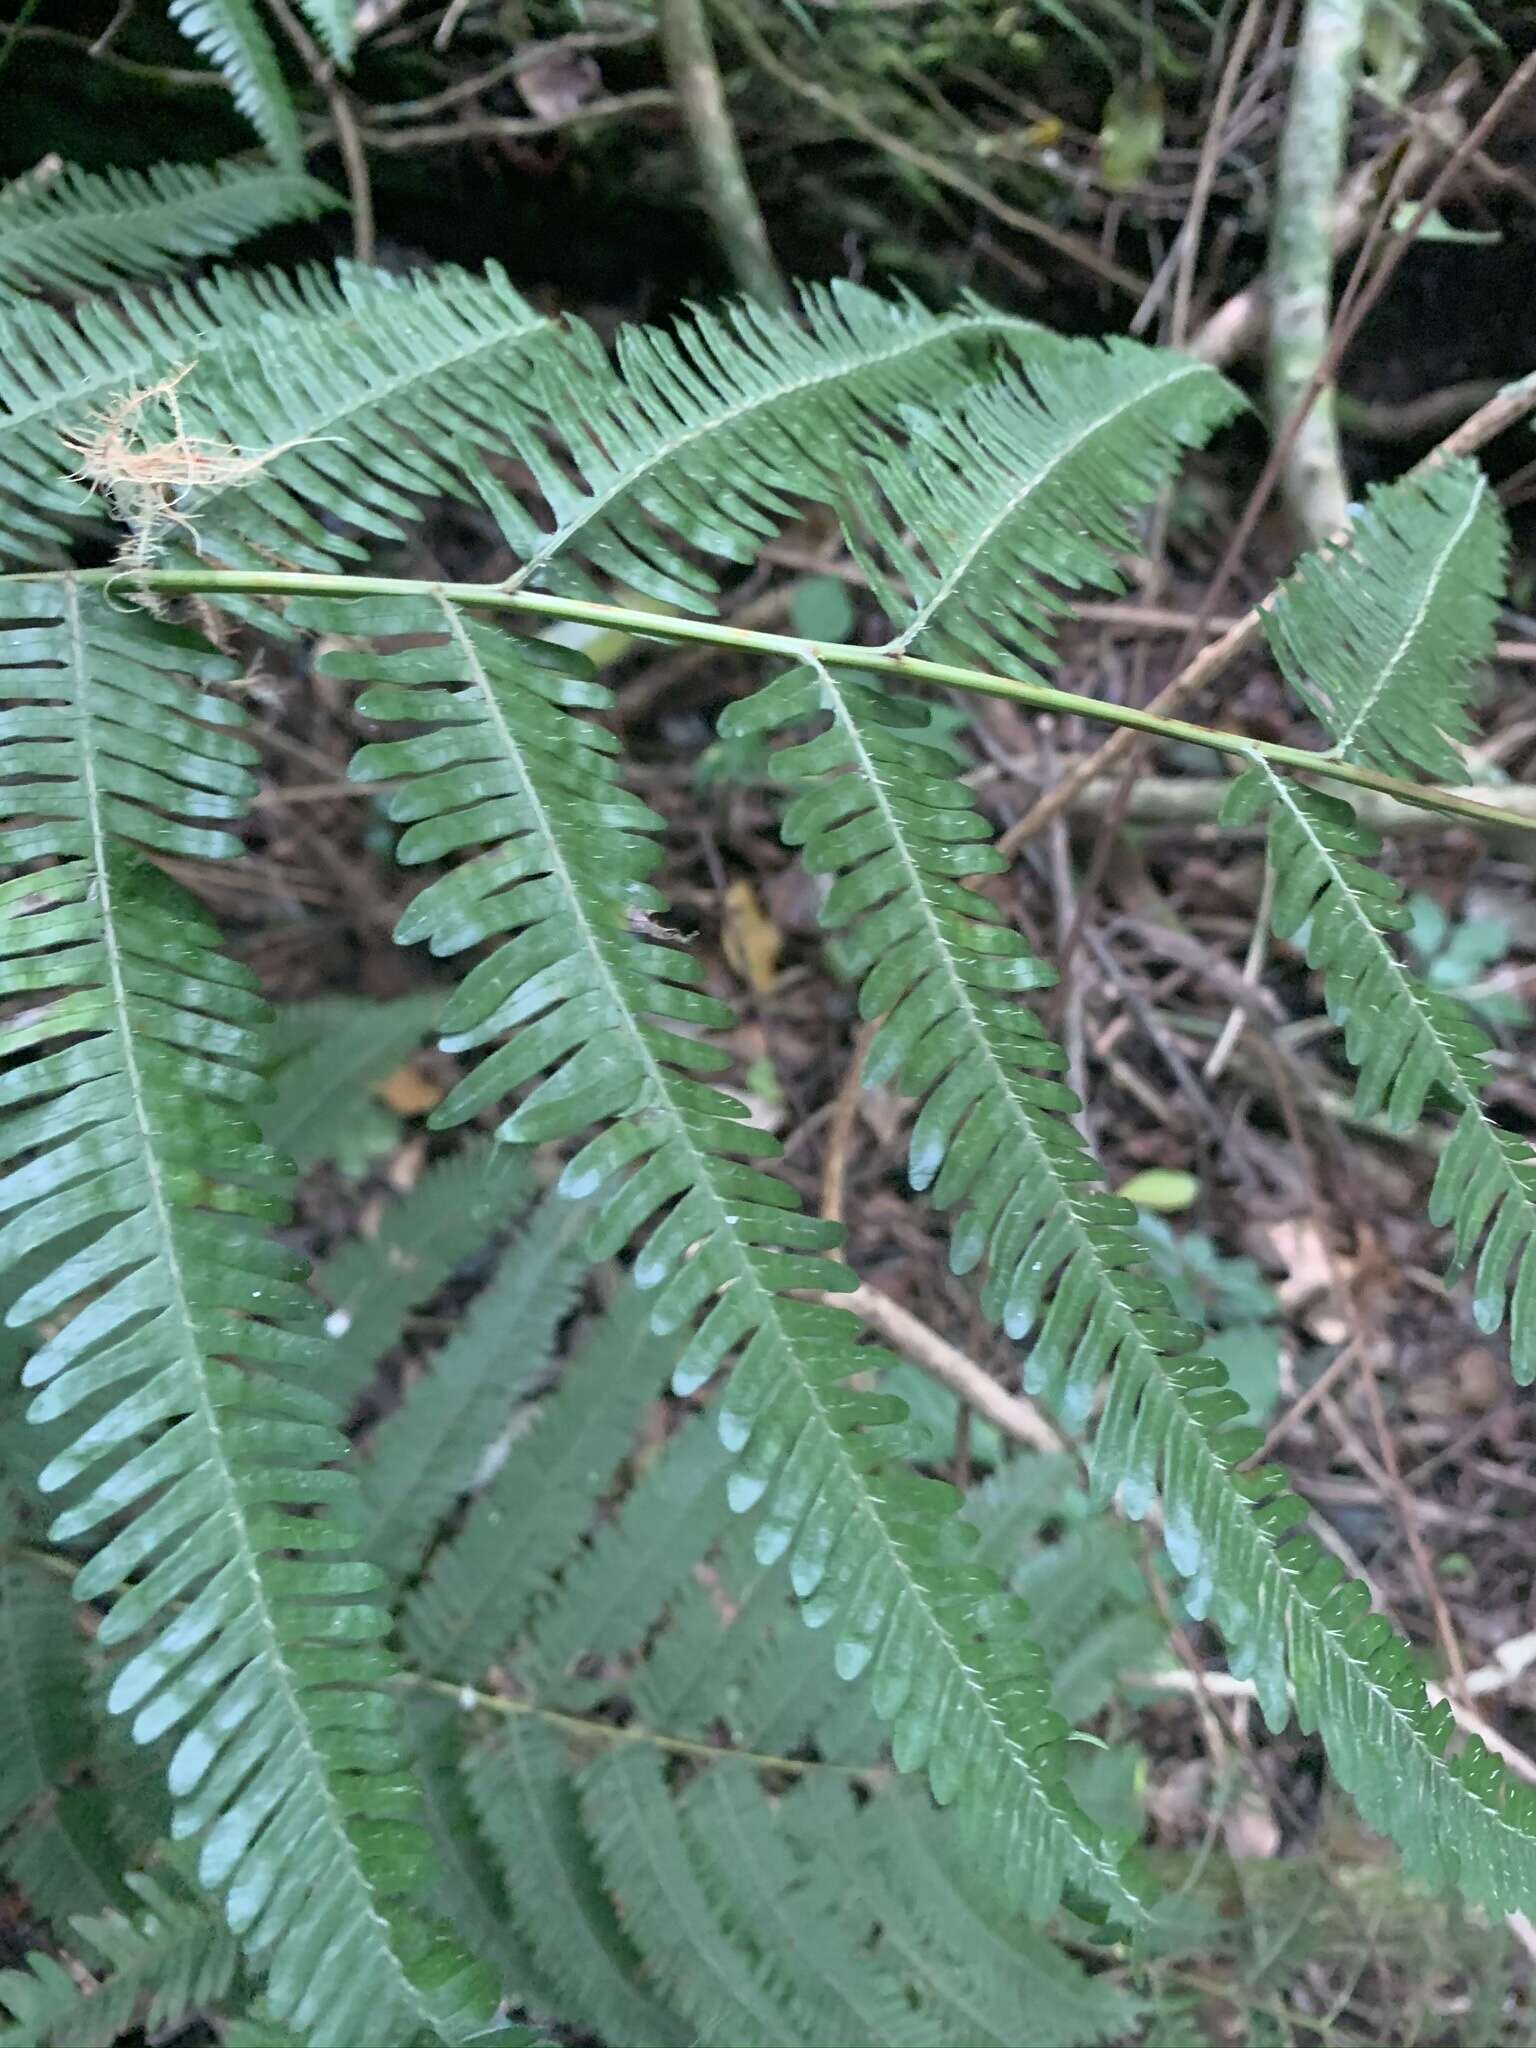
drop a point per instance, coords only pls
(787, 648)
(609, 1731)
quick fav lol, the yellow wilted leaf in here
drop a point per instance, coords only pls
(751, 941)
(409, 1091)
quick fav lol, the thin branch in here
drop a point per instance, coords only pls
(1301, 261)
(728, 195)
(525, 57)
(788, 649)
(354, 160)
(1237, 326)
(1485, 425)
(511, 127)
(586, 1730)
(1205, 170)
(847, 115)
(1018, 1419)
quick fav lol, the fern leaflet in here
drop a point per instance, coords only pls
(161, 1965)
(992, 1138)
(230, 34)
(56, 1838)
(61, 375)
(702, 436)
(519, 1785)
(1023, 481)
(485, 1584)
(589, 1000)
(90, 228)
(124, 1085)
(372, 1283)
(1379, 639)
(429, 1449)
(1407, 1040)
(334, 22)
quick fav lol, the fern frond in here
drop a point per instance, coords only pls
(125, 1084)
(373, 1283)
(469, 1895)
(1380, 639)
(590, 1003)
(970, 1967)
(427, 1451)
(358, 440)
(641, 1561)
(716, 1979)
(90, 229)
(334, 22)
(63, 376)
(1409, 1042)
(328, 1055)
(485, 1582)
(698, 1670)
(703, 436)
(1024, 481)
(818, 1968)
(231, 35)
(158, 1966)
(56, 1840)
(1065, 1270)
(520, 1786)
(61, 373)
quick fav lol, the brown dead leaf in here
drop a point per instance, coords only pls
(1305, 1290)
(554, 82)
(750, 939)
(1250, 1830)
(409, 1091)
(1479, 1379)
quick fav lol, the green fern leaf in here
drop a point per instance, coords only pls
(640, 1562)
(358, 441)
(56, 1841)
(469, 1895)
(85, 229)
(160, 1966)
(968, 1964)
(328, 1056)
(334, 22)
(61, 373)
(428, 1450)
(1023, 482)
(1380, 639)
(124, 1084)
(1065, 1270)
(818, 1969)
(702, 1672)
(704, 1968)
(62, 377)
(590, 1002)
(230, 34)
(373, 1283)
(485, 1583)
(519, 1785)
(704, 435)
(1407, 1040)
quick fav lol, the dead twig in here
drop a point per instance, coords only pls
(354, 159)
(1018, 1419)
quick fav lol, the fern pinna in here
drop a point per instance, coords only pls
(191, 1368)
(362, 1822)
